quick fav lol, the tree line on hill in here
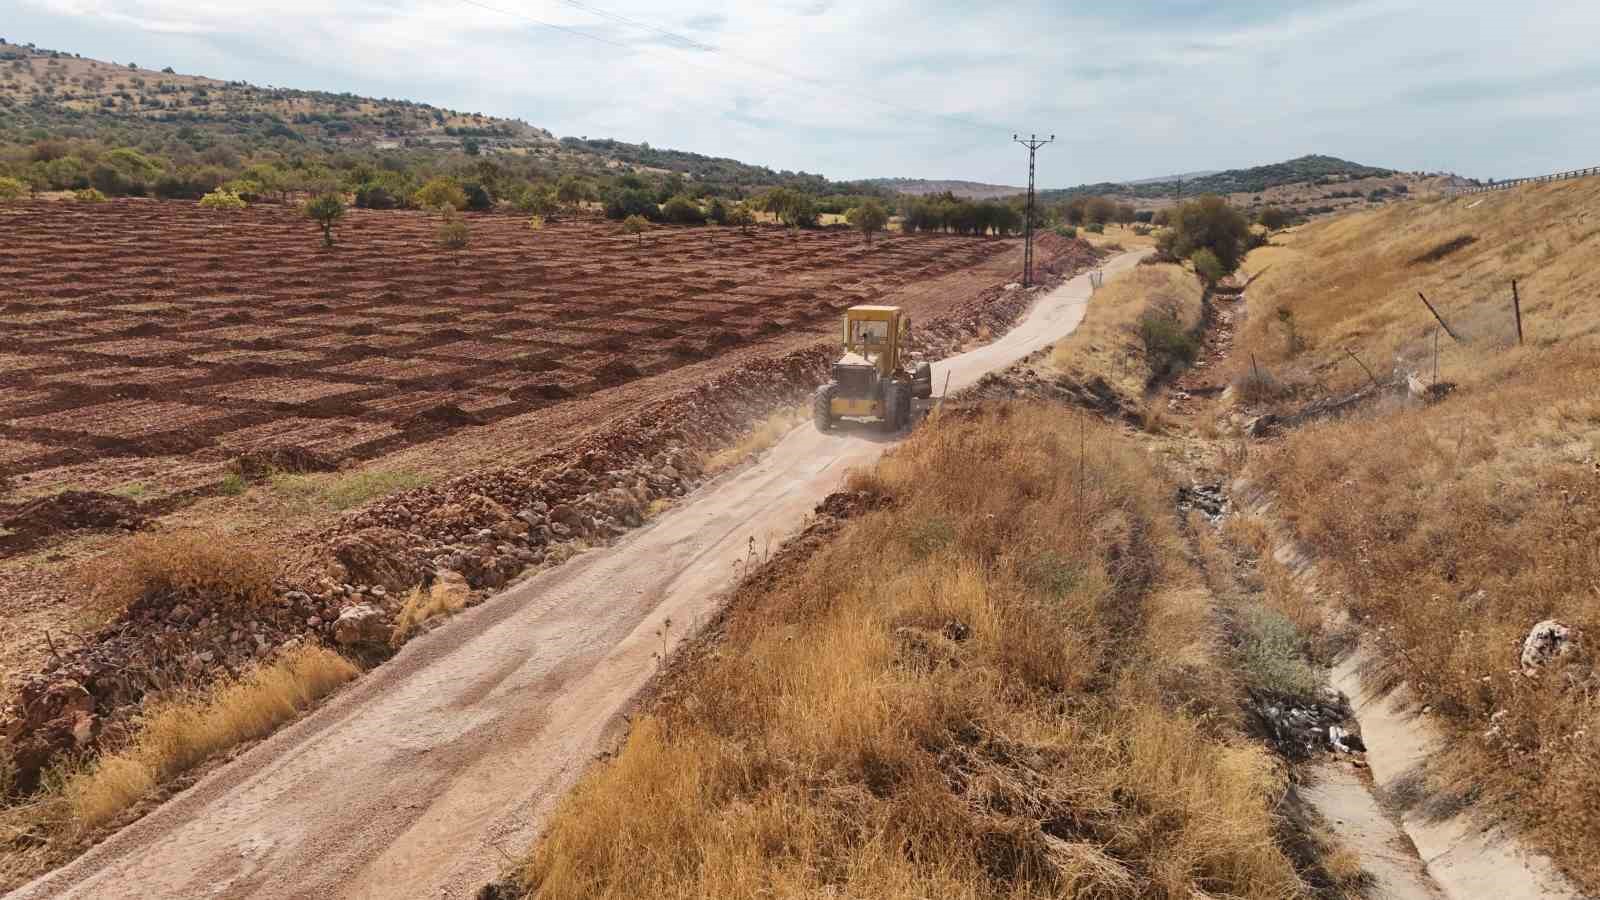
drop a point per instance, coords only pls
(1314, 169)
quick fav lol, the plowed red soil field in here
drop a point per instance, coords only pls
(144, 343)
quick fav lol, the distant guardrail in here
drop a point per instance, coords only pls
(1504, 185)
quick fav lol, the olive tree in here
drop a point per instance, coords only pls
(454, 236)
(636, 225)
(571, 191)
(869, 217)
(325, 210)
(1208, 223)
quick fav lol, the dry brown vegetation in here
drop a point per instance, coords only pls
(172, 735)
(1353, 282)
(762, 435)
(183, 563)
(1105, 345)
(1002, 684)
(442, 598)
(1458, 526)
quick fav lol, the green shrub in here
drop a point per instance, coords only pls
(12, 189)
(626, 202)
(1206, 266)
(680, 210)
(538, 200)
(1067, 231)
(1272, 651)
(1167, 344)
(1095, 228)
(478, 197)
(88, 195)
(439, 193)
(1272, 218)
(376, 196)
(221, 199)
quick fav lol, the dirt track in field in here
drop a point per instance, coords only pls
(413, 782)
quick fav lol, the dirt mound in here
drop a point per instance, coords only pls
(551, 391)
(257, 465)
(441, 417)
(849, 504)
(615, 372)
(70, 511)
(377, 556)
(248, 368)
(536, 364)
(171, 443)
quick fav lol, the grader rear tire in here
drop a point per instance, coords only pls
(822, 407)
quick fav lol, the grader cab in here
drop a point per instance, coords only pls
(872, 381)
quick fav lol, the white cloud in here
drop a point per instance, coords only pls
(1140, 88)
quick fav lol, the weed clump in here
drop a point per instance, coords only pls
(177, 565)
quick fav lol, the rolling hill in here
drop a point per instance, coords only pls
(53, 94)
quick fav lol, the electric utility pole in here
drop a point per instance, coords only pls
(1033, 143)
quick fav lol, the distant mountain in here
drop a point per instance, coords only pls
(972, 190)
(1319, 170)
(1186, 176)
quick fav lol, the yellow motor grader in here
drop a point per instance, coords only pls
(871, 381)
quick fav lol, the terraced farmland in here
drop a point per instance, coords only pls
(150, 342)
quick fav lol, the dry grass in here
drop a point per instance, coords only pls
(1104, 344)
(445, 597)
(1002, 685)
(762, 436)
(178, 564)
(1353, 281)
(172, 736)
(1458, 526)
(176, 735)
(1119, 234)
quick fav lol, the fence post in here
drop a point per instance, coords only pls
(1447, 330)
(1516, 307)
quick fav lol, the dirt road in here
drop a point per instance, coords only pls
(419, 779)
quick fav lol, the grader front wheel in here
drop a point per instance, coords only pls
(822, 407)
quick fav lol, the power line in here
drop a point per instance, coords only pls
(617, 17)
(552, 25)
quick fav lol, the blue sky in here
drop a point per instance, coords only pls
(1131, 88)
